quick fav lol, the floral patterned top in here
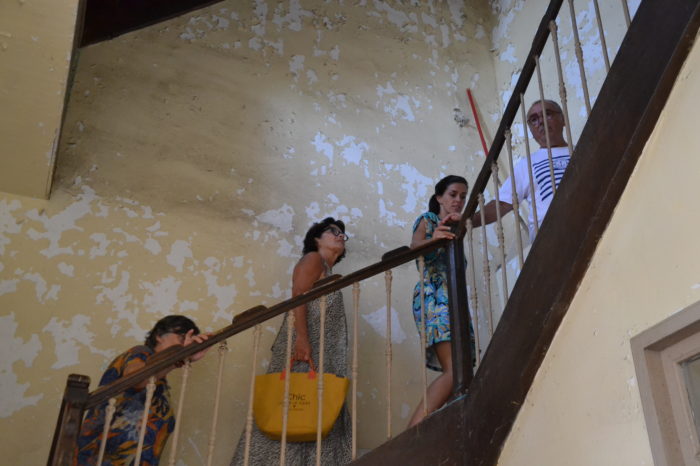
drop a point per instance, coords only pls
(123, 436)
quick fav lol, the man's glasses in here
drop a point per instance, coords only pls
(337, 232)
(536, 119)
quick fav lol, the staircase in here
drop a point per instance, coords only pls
(473, 428)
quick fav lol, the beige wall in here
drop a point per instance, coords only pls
(584, 406)
(194, 156)
(36, 40)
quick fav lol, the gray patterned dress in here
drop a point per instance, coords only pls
(336, 447)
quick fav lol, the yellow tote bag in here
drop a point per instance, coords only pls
(303, 404)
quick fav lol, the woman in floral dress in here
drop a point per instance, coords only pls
(445, 207)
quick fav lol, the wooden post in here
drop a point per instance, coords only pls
(459, 318)
(70, 418)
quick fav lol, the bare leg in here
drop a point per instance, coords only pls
(441, 388)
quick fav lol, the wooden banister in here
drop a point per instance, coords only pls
(259, 314)
(70, 418)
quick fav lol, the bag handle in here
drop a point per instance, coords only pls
(312, 372)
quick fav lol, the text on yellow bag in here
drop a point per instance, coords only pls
(302, 418)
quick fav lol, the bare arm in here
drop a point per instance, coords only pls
(307, 271)
(136, 364)
(442, 231)
(490, 213)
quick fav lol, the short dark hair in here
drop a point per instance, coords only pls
(170, 324)
(441, 187)
(317, 230)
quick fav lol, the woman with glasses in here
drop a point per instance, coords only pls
(444, 208)
(126, 423)
(324, 246)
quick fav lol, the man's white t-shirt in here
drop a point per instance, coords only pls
(542, 179)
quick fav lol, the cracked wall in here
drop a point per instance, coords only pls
(195, 154)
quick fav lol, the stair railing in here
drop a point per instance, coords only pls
(77, 397)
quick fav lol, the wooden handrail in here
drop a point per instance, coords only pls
(259, 314)
(68, 424)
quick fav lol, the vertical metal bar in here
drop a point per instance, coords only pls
(285, 401)
(421, 273)
(515, 202)
(626, 11)
(178, 417)
(544, 123)
(150, 388)
(533, 204)
(387, 351)
(356, 314)
(223, 348)
(562, 86)
(109, 415)
(473, 298)
(601, 33)
(499, 233)
(579, 58)
(319, 374)
(487, 271)
(460, 342)
(251, 396)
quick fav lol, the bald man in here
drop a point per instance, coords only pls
(553, 118)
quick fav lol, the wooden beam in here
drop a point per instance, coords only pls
(625, 113)
(107, 19)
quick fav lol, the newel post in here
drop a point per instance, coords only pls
(459, 317)
(70, 418)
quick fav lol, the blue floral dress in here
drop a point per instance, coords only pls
(124, 431)
(437, 322)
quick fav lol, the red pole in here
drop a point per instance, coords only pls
(478, 124)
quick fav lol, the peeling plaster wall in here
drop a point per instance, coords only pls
(584, 406)
(36, 40)
(195, 155)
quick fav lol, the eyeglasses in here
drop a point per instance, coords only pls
(537, 117)
(337, 232)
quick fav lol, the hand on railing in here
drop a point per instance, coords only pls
(444, 228)
(191, 338)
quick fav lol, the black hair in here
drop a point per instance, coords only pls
(170, 324)
(440, 189)
(317, 230)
